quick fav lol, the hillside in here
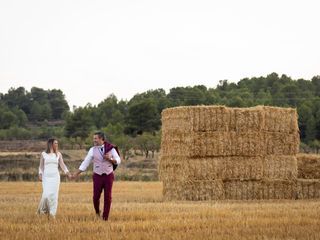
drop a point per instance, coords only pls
(23, 166)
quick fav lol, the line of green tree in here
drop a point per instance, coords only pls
(124, 120)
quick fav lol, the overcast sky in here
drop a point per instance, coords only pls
(92, 48)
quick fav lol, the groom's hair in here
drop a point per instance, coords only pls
(100, 135)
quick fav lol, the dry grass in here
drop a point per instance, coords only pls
(139, 212)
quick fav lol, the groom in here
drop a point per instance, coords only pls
(103, 160)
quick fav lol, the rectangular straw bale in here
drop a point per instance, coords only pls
(208, 118)
(194, 168)
(203, 118)
(243, 189)
(176, 119)
(176, 143)
(205, 168)
(232, 167)
(204, 190)
(211, 119)
(248, 143)
(256, 119)
(308, 166)
(195, 118)
(182, 168)
(227, 144)
(260, 189)
(281, 119)
(213, 144)
(280, 143)
(280, 189)
(248, 119)
(173, 171)
(206, 144)
(193, 190)
(308, 188)
(280, 167)
(240, 119)
(238, 167)
(221, 118)
(171, 191)
(173, 167)
(232, 143)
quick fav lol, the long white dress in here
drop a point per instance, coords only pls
(49, 163)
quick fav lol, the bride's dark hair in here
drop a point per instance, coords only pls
(50, 145)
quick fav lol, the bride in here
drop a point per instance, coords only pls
(50, 177)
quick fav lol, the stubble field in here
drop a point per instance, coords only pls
(139, 212)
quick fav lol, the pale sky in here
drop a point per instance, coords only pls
(92, 48)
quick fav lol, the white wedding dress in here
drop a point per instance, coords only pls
(49, 163)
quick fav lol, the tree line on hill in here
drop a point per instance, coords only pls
(137, 122)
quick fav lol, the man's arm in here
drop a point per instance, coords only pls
(115, 156)
(85, 163)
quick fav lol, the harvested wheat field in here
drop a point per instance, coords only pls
(139, 212)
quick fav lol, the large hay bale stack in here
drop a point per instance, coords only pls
(216, 152)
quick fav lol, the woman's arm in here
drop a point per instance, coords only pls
(62, 165)
(41, 167)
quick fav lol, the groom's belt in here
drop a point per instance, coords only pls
(103, 174)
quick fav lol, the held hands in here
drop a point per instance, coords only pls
(73, 176)
(70, 176)
(40, 177)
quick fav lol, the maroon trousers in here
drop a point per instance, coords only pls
(102, 182)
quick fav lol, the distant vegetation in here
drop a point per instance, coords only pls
(40, 113)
